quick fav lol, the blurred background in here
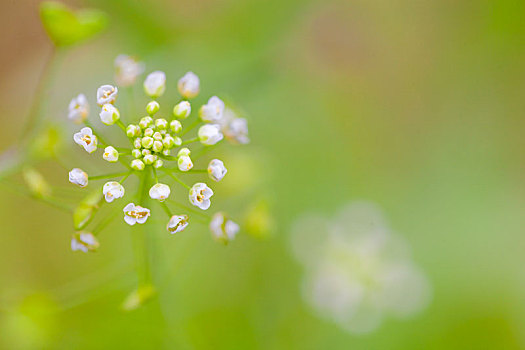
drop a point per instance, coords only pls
(416, 106)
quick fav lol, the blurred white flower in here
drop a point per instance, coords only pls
(78, 109)
(210, 134)
(188, 85)
(127, 69)
(86, 139)
(78, 177)
(216, 170)
(84, 241)
(135, 214)
(106, 94)
(110, 154)
(177, 223)
(159, 192)
(235, 129)
(357, 269)
(112, 190)
(200, 195)
(222, 228)
(155, 84)
(212, 111)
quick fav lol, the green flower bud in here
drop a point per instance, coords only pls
(178, 141)
(157, 146)
(152, 107)
(158, 164)
(166, 152)
(133, 130)
(147, 142)
(150, 159)
(149, 132)
(145, 152)
(136, 153)
(182, 110)
(168, 141)
(157, 136)
(145, 122)
(161, 124)
(175, 126)
(137, 143)
(36, 183)
(137, 164)
(184, 152)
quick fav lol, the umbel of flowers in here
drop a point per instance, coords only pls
(157, 146)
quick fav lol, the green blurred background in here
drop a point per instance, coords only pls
(415, 105)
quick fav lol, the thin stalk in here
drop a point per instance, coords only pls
(121, 125)
(177, 179)
(191, 210)
(191, 127)
(195, 139)
(107, 176)
(166, 209)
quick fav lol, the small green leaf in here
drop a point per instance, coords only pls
(86, 209)
(67, 27)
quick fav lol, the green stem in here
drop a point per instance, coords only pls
(191, 210)
(107, 176)
(166, 209)
(190, 141)
(125, 177)
(122, 126)
(189, 128)
(177, 179)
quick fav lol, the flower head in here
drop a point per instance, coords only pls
(110, 154)
(188, 85)
(78, 109)
(160, 192)
(106, 94)
(109, 114)
(212, 111)
(210, 134)
(127, 69)
(84, 241)
(155, 84)
(222, 228)
(200, 195)
(112, 190)
(78, 177)
(177, 223)
(216, 170)
(86, 139)
(135, 214)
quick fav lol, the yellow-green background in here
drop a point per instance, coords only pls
(416, 105)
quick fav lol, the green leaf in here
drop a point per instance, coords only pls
(67, 27)
(86, 209)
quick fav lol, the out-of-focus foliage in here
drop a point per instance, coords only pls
(67, 27)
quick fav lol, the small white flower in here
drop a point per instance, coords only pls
(216, 170)
(109, 114)
(112, 190)
(177, 223)
(182, 110)
(155, 84)
(188, 85)
(152, 107)
(86, 139)
(210, 134)
(212, 111)
(200, 195)
(160, 192)
(78, 177)
(78, 109)
(135, 214)
(127, 69)
(110, 154)
(237, 131)
(106, 94)
(222, 228)
(84, 241)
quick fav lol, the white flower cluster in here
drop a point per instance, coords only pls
(357, 269)
(156, 141)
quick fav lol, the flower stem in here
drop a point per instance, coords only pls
(107, 176)
(121, 125)
(190, 141)
(166, 209)
(177, 179)
(192, 126)
(191, 210)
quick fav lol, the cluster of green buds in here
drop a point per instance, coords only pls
(155, 142)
